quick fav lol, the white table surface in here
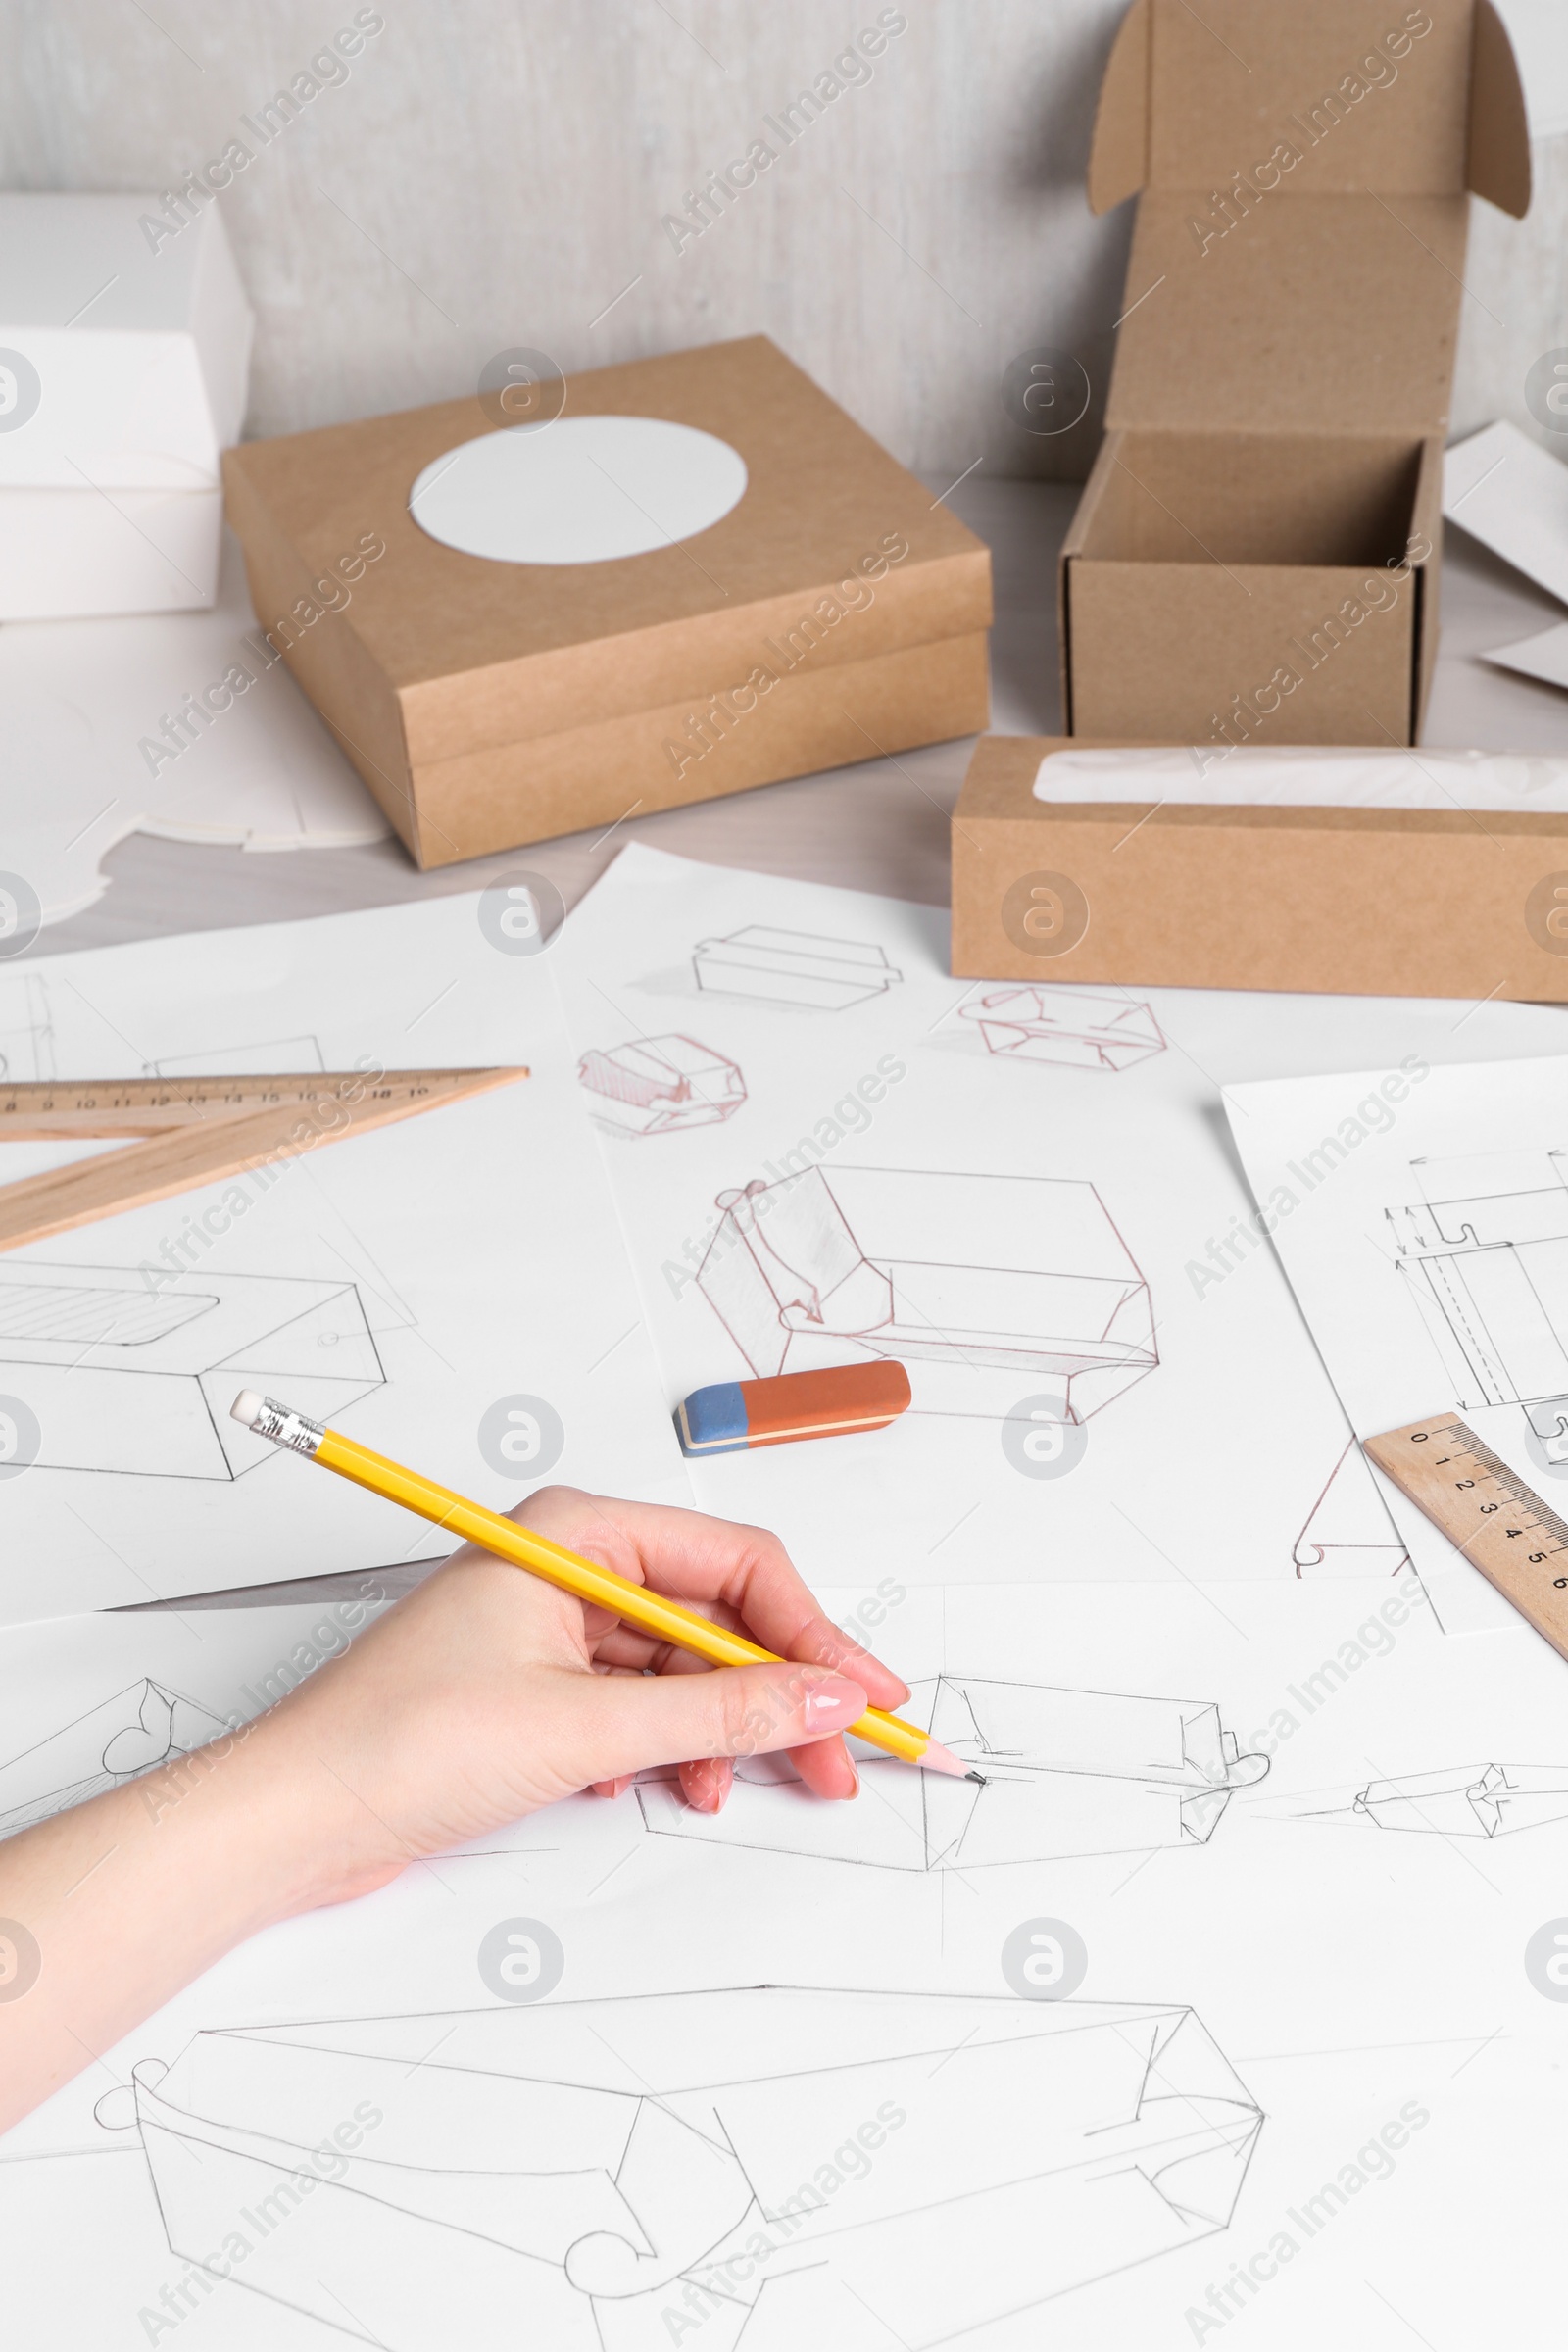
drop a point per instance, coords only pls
(879, 826)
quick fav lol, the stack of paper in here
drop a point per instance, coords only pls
(1093, 2048)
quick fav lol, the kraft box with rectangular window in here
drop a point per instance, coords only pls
(1358, 872)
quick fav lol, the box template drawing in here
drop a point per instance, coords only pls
(657, 1085)
(1067, 1773)
(830, 612)
(794, 969)
(1267, 500)
(1469, 1801)
(973, 1277)
(1488, 1272)
(120, 1377)
(27, 1031)
(1054, 1024)
(1348, 1532)
(556, 2193)
(126, 1734)
(123, 367)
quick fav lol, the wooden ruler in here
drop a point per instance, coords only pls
(179, 1133)
(1496, 1519)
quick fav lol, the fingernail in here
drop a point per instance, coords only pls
(832, 1703)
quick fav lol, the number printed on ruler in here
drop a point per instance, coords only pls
(1493, 1516)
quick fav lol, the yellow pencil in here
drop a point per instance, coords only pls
(668, 1620)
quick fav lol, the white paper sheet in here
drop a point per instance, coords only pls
(1045, 1172)
(1316, 2020)
(1543, 655)
(1512, 495)
(414, 1281)
(1423, 1236)
(90, 1703)
(81, 700)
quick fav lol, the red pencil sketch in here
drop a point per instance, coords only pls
(657, 1084)
(1055, 1024)
(1017, 1274)
(793, 968)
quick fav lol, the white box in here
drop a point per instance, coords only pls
(123, 364)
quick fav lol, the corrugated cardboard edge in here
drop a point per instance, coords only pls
(1336, 901)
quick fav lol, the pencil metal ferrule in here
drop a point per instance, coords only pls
(285, 1427)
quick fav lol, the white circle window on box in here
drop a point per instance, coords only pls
(578, 490)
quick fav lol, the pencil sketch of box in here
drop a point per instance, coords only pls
(582, 2176)
(126, 1734)
(1348, 1531)
(122, 1377)
(263, 1060)
(793, 968)
(1022, 1275)
(1054, 1024)
(659, 1084)
(27, 1031)
(1469, 1801)
(1486, 1256)
(1066, 1772)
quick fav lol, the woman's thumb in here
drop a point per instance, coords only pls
(636, 1721)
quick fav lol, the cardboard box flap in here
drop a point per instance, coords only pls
(1498, 161)
(1323, 314)
(1348, 95)
(1118, 155)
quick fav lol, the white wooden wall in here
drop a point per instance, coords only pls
(493, 173)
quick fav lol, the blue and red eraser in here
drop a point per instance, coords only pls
(734, 1415)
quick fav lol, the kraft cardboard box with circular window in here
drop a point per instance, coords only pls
(648, 584)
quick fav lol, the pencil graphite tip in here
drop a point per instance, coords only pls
(938, 1758)
(978, 1778)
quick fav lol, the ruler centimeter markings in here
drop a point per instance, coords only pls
(1493, 1516)
(178, 1134)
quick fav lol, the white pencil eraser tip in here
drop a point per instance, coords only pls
(246, 1408)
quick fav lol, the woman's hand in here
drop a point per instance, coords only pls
(484, 1696)
(488, 1694)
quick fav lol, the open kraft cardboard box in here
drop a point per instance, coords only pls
(1255, 553)
(1395, 902)
(833, 614)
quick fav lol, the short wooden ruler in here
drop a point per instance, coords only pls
(1498, 1521)
(177, 1134)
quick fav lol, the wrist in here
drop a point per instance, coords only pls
(290, 1807)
